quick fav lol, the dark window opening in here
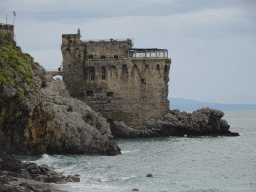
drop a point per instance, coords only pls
(110, 94)
(143, 81)
(103, 57)
(165, 67)
(69, 66)
(113, 67)
(115, 56)
(89, 93)
(157, 67)
(90, 57)
(70, 41)
(92, 73)
(146, 66)
(103, 73)
(124, 66)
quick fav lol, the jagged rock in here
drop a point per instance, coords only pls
(44, 174)
(8, 162)
(202, 122)
(47, 120)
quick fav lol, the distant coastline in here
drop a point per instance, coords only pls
(191, 105)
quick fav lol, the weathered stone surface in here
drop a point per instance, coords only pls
(45, 119)
(128, 89)
(8, 162)
(202, 122)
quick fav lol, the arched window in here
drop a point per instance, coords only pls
(115, 56)
(90, 57)
(103, 57)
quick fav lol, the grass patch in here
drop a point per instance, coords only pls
(20, 90)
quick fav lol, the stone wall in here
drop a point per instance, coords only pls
(132, 90)
(108, 48)
(73, 65)
(8, 27)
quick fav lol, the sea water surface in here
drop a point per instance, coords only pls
(177, 163)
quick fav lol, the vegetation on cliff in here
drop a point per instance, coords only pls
(14, 65)
(38, 116)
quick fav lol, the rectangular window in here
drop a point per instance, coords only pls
(103, 73)
(89, 93)
(92, 73)
(110, 94)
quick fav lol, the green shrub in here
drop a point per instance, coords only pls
(20, 90)
(4, 55)
(28, 74)
(11, 69)
(2, 79)
(168, 60)
(30, 81)
(6, 73)
(21, 69)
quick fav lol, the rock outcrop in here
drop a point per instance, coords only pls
(15, 175)
(203, 122)
(38, 116)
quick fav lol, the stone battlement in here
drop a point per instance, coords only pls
(6, 27)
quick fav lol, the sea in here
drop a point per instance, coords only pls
(182, 164)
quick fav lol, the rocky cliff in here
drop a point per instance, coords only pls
(38, 116)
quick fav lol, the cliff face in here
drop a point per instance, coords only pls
(38, 116)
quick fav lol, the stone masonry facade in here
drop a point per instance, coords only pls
(120, 87)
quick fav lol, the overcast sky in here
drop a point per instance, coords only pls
(212, 43)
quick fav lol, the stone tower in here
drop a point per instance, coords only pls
(122, 83)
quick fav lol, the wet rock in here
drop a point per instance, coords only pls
(8, 162)
(149, 175)
(135, 189)
(43, 174)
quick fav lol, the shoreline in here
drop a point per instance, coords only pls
(26, 176)
(53, 187)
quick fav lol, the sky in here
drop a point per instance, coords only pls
(212, 44)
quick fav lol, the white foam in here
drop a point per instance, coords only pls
(129, 151)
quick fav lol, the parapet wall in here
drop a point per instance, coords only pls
(6, 27)
(109, 49)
